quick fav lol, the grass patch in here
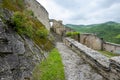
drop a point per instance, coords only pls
(71, 34)
(51, 68)
(109, 54)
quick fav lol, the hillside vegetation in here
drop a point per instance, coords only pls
(25, 23)
(13, 5)
(109, 31)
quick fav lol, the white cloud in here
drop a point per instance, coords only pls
(83, 11)
(56, 11)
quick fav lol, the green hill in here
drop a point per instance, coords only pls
(108, 31)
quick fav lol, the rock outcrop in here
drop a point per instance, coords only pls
(18, 54)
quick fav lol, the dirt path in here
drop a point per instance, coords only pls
(75, 67)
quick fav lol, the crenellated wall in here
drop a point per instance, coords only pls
(108, 68)
(39, 11)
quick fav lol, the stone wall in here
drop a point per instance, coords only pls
(39, 11)
(88, 39)
(111, 47)
(108, 68)
(57, 27)
(91, 41)
(94, 42)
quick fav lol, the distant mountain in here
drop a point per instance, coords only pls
(110, 22)
(108, 30)
(73, 25)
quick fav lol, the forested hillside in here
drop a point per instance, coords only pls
(109, 31)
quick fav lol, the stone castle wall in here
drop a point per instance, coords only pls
(88, 39)
(57, 26)
(39, 11)
(96, 43)
(111, 47)
(108, 68)
(91, 41)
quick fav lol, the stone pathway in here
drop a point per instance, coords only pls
(75, 67)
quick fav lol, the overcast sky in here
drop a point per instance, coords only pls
(83, 11)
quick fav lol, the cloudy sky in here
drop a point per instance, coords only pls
(83, 11)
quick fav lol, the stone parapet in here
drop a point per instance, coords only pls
(111, 47)
(108, 68)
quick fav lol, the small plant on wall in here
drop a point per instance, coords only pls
(22, 24)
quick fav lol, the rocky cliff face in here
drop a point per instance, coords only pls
(39, 11)
(18, 54)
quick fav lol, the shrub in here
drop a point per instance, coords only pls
(68, 34)
(26, 25)
(29, 29)
(29, 12)
(21, 24)
(71, 34)
(42, 33)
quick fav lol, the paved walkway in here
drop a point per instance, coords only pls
(75, 67)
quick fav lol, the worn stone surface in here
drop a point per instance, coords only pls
(103, 60)
(109, 68)
(116, 59)
(75, 67)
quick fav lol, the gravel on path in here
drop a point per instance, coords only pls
(75, 67)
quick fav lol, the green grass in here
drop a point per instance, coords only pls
(51, 68)
(26, 24)
(109, 54)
